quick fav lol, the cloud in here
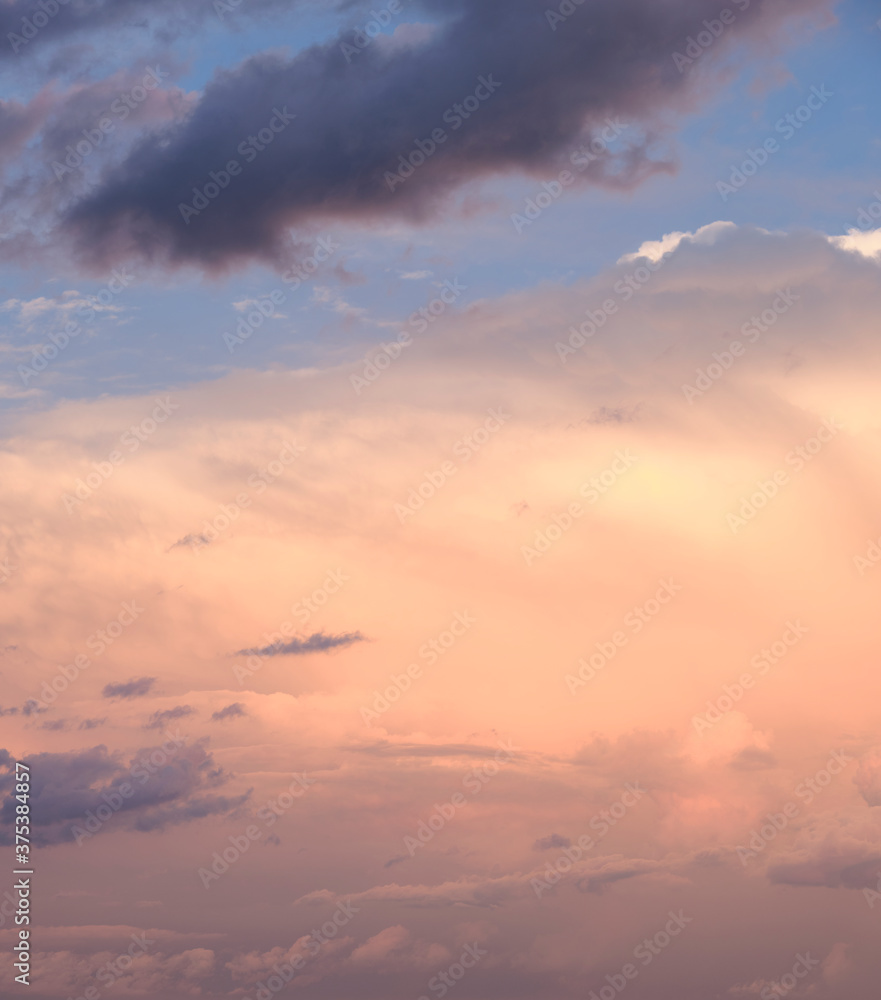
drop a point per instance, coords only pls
(832, 869)
(191, 540)
(835, 851)
(318, 642)
(462, 551)
(184, 973)
(18, 122)
(612, 870)
(130, 689)
(161, 786)
(479, 891)
(91, 723)
(234, 711)
(26, 36)
(161, 718)
(545, 94)
(554, 840)
(868, 777)
(381, 945)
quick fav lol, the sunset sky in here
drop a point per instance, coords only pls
(440, 547)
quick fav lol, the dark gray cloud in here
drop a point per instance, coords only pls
(552, 90)
(27, 27)
(234, 711)
(191, 541)
(130, 689)
(199, 808)
(319, 642)
(159, 719)
(91, 723)
(161, 786)
(548, 843)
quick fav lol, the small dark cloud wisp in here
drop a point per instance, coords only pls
(319, 642)
(136, 688)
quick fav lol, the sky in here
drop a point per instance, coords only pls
(440, 549)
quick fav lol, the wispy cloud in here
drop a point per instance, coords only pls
(319, 642)
(130, 689)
